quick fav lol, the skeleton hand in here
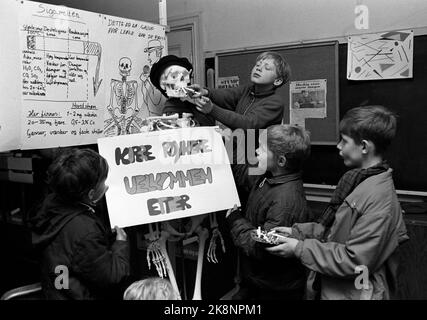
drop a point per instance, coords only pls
(154, 250)
(157, 257)
(211, 255)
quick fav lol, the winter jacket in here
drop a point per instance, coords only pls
(273, 201)
(72, 236)
(367, 230)
(244, 108)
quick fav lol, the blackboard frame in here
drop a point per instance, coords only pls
(317, 60)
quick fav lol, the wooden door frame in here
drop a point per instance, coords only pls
(192, 22)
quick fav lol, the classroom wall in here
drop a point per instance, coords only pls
(235, 24)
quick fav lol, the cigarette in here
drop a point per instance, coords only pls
(189, 90)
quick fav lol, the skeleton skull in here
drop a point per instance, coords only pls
(125, 66)
(174, 79)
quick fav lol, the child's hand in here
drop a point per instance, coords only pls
(285, 249)
(204, 104)
(198, 91)
(231, 210)
(121, 234)
(284, 230)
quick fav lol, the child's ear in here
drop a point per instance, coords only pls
(367, 146)
(281, 161)
(91, 194)
(278, 82)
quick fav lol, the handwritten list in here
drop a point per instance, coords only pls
(59, 61)
(61, 75)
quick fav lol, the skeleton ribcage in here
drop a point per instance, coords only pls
(124, 98)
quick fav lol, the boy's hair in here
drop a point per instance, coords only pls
(150, 289)
(283, 69)
(75, 172)
(374, 123)
(290, 141)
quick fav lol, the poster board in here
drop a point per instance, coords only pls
(63, 69)
(308, 62)
(165, 175)
(10, 114)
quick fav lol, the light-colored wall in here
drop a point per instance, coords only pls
(236, 24)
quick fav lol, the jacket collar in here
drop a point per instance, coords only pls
(261, 93)
(283, 178)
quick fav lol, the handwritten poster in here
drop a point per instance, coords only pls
(386, 55)
(164, 175)
(60, 58)
(10, 114)
(131, 48)
(68, 74)
(307, 100)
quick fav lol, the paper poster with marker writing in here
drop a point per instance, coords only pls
(165, 175)
(379, 56)
(228, 82)
(10, 112)
(61, 57)
(132, 47)
(71, 76)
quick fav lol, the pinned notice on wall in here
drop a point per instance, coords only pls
(69, 74)
(307, 100)
(378, 56)
(228, 82)
(164, 175)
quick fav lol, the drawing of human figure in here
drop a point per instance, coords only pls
(153, 99)
(123, 107)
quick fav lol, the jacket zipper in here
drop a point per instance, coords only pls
(262, 183)
(250, 104)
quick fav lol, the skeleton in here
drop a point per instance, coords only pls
(174, 81)
(123, 106)
(203, 235)
(216, 234)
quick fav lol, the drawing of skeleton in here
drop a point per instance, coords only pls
(152, 98)
(123, 107)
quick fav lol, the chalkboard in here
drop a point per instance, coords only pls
(308, 62)
(408, 99)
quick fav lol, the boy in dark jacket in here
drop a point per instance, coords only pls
(78, 259)
(276, 199)
(254, 106)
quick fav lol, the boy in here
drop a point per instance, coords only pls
(150, 289)
(79, 260)
(276, 199)
(362, 226)
(255, 106)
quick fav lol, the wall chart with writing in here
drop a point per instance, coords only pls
(69, 83)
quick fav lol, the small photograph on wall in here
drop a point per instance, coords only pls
(378, 56)
(308, 100)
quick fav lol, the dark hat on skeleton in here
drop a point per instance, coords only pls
(159, 67)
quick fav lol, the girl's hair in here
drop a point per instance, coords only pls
(374, 123)
(150, 289)
(283, 69)
(290, 141)
(75, 172)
